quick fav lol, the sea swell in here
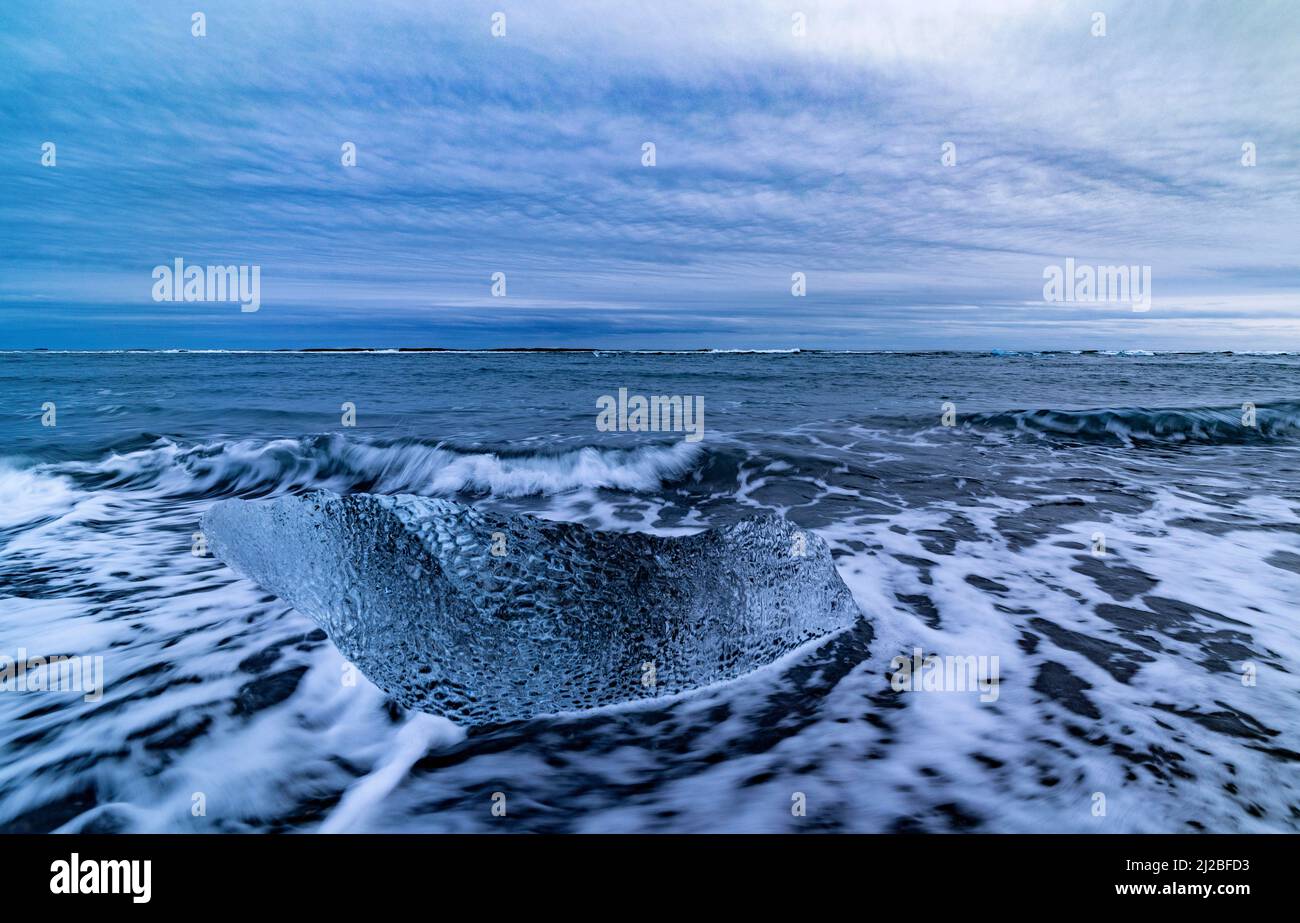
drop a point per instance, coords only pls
(1140, 425)
(255, 467)
(166, 467)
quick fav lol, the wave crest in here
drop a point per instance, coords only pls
(1133, 425)
(261, 467)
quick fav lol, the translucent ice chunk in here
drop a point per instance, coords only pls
(486, 618)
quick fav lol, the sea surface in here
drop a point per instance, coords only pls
(1147, 687)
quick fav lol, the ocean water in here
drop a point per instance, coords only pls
(1156, 678)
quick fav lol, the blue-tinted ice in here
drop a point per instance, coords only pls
(484, 617)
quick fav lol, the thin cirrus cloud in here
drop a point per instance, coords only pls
(776, 153)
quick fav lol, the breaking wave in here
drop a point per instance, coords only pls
(252, 468)
(1134, 425)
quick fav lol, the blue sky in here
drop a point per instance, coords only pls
(775, 154)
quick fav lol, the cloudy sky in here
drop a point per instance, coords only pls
(775, 153)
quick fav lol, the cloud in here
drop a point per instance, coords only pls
(775, 153)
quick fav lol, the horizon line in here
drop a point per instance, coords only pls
(650, 350)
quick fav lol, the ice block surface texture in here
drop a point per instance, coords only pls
(486, 617)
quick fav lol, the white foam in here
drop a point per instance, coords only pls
(26, 496)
